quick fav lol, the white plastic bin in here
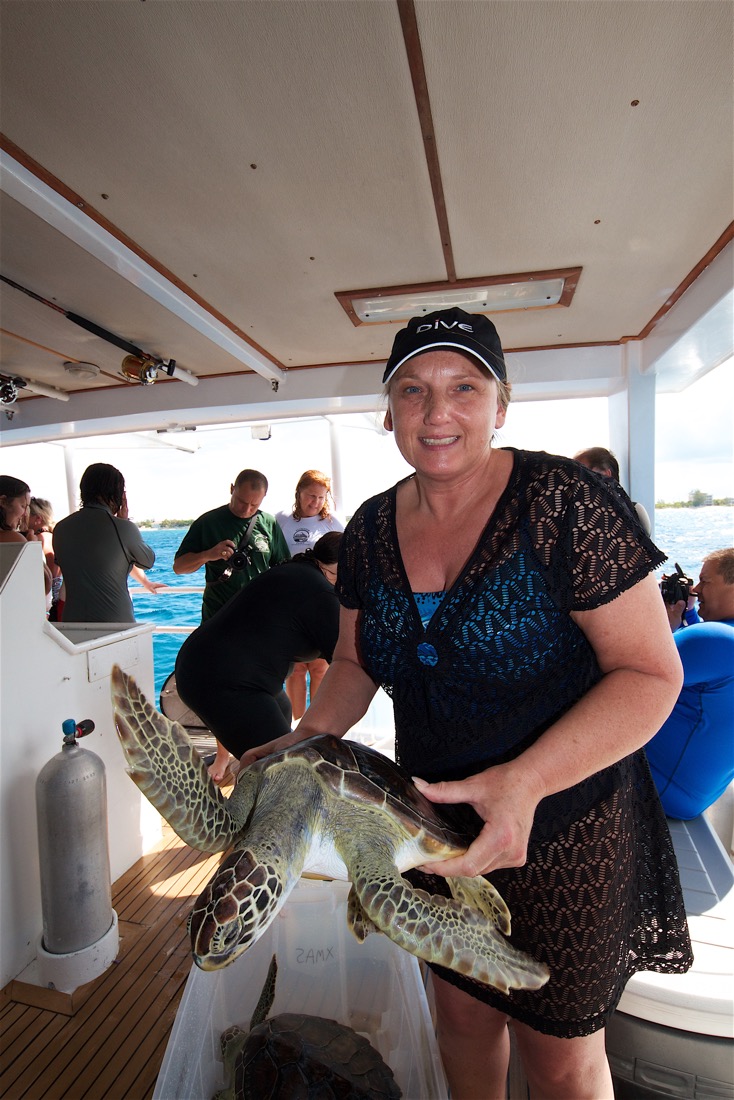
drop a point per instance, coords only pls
(374, 987)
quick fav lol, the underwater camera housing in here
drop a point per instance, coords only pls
(676, 586)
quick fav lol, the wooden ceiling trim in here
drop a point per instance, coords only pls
(80, 203)
(703, 263)
(409, 24)
(52, 351)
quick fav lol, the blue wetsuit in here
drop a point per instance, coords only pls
(692, 756)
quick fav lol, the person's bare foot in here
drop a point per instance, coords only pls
(218, 769)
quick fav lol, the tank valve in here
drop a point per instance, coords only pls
(72, 730)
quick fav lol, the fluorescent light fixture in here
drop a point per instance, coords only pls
(38, 197)
(491, 299)
(493, 294)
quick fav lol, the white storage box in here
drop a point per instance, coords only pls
(374, 987)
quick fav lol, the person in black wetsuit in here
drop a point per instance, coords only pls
(506, 600)
(231, 670)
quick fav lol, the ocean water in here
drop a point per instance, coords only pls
(686, 535)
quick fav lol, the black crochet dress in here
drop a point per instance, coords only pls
(500, 660)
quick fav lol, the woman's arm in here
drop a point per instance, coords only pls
(641, 680)
(153, 587)
(343, 697)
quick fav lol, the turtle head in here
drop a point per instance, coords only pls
(234, 910)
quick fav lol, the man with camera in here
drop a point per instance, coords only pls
(234, 543)
(692, 755)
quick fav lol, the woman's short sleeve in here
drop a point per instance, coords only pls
(591, 539)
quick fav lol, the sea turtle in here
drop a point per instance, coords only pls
(328, 806)
(294, 1055)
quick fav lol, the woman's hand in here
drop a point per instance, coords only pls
(505, 797)
(634, 647)
(278, 745)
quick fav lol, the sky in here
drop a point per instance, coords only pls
(694, 450)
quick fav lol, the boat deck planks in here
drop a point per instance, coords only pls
(113, 1045)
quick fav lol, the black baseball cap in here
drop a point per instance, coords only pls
(449, 328)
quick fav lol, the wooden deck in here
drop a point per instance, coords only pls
(113, 1044)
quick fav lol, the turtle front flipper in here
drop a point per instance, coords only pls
(442, 930)
(166, 767)
(231, 1042)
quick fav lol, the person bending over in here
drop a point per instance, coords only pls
(234, 543)
(231, 670)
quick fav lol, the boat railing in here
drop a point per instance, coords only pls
(169, 590)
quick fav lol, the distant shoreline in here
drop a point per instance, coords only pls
(176, 524)
(727, 502)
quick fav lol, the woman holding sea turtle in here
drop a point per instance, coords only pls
(506, 601)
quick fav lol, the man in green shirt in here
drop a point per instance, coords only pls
(215, 537)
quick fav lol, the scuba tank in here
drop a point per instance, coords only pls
(71, 807)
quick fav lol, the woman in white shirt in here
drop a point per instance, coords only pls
(309, 519)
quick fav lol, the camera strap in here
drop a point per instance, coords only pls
(228, 570)
(247, 532)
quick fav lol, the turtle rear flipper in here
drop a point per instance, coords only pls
(166, 767)
(358, 922)
(267, 995)
(443, 930)
(482, 895)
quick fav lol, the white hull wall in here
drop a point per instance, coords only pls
(47, 677)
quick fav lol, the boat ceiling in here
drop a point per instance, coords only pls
(262, 157)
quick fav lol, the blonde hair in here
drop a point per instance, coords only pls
(312, 477)
(504, 393)
(42, 508)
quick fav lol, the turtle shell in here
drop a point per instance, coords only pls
(295, 1057)
(359, 774)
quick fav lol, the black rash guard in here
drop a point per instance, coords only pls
(231, 670)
